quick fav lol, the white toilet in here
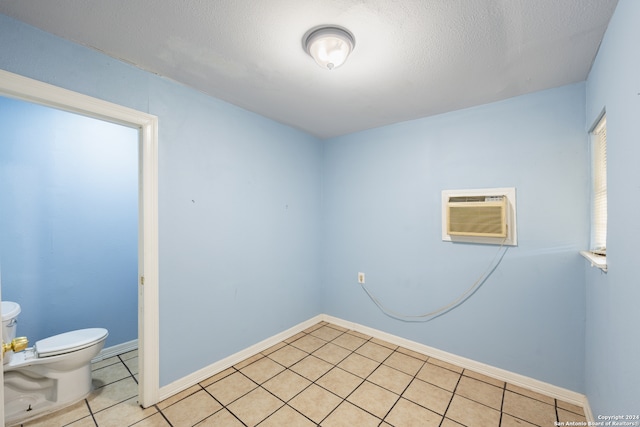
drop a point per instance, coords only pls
(54, 373)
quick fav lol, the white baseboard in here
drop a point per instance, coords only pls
(482, 368)
(115, 350)
(219, 366)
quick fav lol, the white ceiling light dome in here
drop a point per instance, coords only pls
(329, 46)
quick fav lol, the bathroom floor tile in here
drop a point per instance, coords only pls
(470, 413)
(112, 394)
(231, 387)
(287, 416)
(123, 414)
(261, 370)
(286, 385)
(191, 409)
(349, 415)
(71, 413)
(315, 402)
(340, 382)
(373, 398)
(256, 406)
(326, 375)
(331, 353)
(402, 362)
(428, 395)
(287, 355)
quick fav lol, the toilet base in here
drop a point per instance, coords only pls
(28, 395)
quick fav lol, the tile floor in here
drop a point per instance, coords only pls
(326, 376)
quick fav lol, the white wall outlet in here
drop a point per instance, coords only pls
(360, 277)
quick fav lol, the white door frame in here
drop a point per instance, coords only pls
(19, 87)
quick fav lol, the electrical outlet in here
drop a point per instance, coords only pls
(360, 277)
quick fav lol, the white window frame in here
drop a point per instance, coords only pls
(597, 254)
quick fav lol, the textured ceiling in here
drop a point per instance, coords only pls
(413, 58)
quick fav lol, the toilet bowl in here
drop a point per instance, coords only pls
(54, 373)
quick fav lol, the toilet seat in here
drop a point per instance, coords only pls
(69, 341)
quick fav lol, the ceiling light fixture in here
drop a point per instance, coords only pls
(329, 46)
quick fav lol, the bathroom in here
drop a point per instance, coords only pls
(69, 222)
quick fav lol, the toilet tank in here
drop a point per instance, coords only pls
(10, 311)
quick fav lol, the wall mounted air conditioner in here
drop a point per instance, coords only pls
(479, 216)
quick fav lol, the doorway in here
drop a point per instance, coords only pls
(22, 88)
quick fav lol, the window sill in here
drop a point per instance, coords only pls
(599, 261)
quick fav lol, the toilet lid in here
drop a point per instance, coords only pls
(69, 341)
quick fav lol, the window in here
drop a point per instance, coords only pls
(598, 251)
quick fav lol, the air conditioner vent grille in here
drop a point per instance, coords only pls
(477, 216)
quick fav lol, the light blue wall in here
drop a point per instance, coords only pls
(382, 216)
(613, 299)
(239, 203)
(68, 221)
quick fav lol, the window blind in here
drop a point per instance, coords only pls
(599, 216)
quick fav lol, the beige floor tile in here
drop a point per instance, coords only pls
(385, 343)
(288, 355)
(231, 387)
(510, 421)
(105, 362)
(248, 361)
(314, 327)
(308, 343)
(123, 414)
(348, 415)
(412, 353)
(481, 392)
(402, 362)
(273, 348)
(217, 377)
(332, 353)
(390, 378)
(528, 409)
(450, 423)
(62, 417)
(311, 367)
(484, 378)
(408, 414)
(315, 402)
(373, 398)
(570, 407)
(566, 416)
(441, 377)
(155, 420)
(286, 384)
(374, 351)
(132, 365)
(349, 341)
(428, 395)
(339, 382)
(109, 374)
(446, 365)
(191, 409)
(470, 413)
(84, 422)
(287, 416)
(128, 355)
(360, 335)
(295, 337)
(179, 396)
(222, 418)
(532, 394)
(327, 333)
(255, 406)
(112, 394)
(359, 365)
(261, 370)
